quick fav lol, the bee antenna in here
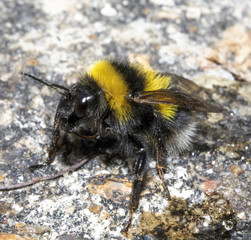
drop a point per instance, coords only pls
(53, 85)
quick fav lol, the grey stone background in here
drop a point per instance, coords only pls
(206, 41)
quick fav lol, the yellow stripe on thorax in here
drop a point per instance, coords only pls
(156, 81)
(115, 88)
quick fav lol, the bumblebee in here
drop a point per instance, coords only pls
(148, 114)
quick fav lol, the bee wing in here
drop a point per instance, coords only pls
(176, 97)
(184, 84)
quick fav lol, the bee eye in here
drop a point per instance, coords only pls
(80, 106)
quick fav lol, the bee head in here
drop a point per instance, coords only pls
(78, 109)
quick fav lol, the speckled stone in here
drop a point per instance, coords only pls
(57, 40)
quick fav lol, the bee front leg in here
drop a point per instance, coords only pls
(53, 146)
(137, 187)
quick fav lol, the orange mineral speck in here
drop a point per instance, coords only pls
(6, 236)
(209, 186)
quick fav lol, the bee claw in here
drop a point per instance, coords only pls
(34, 167)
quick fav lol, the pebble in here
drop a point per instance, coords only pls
(108, 11)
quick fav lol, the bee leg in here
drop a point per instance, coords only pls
(161, 164)
(53, 146)
(137, 186)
